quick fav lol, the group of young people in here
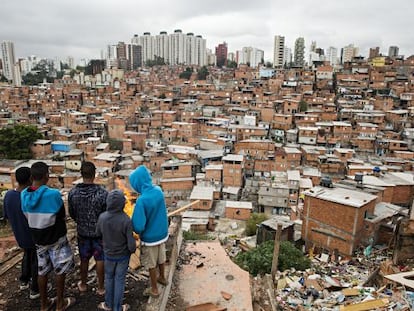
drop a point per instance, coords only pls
(37, 216)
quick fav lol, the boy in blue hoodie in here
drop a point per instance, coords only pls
(150, 221)
(45, 213)
(116, 230)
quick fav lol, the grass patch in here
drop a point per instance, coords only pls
(194, 236)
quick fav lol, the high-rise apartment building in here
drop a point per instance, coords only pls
(201, 51)
(8, 60)
(176, 48)
(251, 56)
(134, 56)
(332, 55)
(279, 51)
(374, 52)
(287, 56)
(299, 53)
(162, 46)
(348, 53)
(393, 51)
(221, 54)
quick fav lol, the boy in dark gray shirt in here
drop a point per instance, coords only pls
(115, 227)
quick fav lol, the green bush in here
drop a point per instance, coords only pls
(259, 260)
(253, 221)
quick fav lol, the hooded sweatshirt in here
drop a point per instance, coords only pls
(45, 213)
(149, 219)
(86, 202)
(115, 228)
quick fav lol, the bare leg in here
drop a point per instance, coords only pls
(42, 281)
(60, 287)
(153, 280)
(100, 272)
(161, 268)
(84, 274)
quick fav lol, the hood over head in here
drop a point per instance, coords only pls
(32, 197)
(115, 200)
(140, 179)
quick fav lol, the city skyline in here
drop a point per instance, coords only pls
(83, 29)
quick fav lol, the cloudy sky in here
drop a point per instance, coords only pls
(82, 28)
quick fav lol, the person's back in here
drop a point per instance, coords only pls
(116, 230)
(87, 201)
(150, 221)
(45, 213)
(18, 222)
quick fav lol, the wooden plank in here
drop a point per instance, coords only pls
(276, 250)
(183, 208)
(366, 305)
(209, 306)
(351, 292)
(271, 291)
(11, 263)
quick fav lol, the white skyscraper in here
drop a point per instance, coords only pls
(177, 47)
(287, 56)
(191, 50)
(332, 55)
(8, 60)
(201, 53)
(348, 53)
(251, 56)
(278, 51)
(162, 46)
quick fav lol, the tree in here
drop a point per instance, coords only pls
(231, 64)
(186, 74)
(259, 260)
(202, 73)
(269, 65)
(253, 221)
(3, 79)
(303, 106)
(15, 142)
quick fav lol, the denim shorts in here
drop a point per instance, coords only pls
(89, 247)
(57, 257)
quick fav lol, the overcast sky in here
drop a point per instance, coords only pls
(82, 28)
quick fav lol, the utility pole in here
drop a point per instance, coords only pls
(276, 250)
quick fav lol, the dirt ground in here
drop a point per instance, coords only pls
(14, 299)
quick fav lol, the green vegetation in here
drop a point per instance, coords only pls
(115, 144)
(303, 106)
(231, 64)
(3, 78)
(202, 73)
(195, 236)
(186, 74)
(253, 221)
(15, 142)
(259, 260)
(157, 61)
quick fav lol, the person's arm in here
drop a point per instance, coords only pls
(98, 231)
(139, 219)
(6, 205)
(72, 210)
(130, 238)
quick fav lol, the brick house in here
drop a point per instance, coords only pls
(238, 210)
(333, 218)
(233, 172)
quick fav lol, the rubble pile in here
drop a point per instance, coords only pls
(346, 285)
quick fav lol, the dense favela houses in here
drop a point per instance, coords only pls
(326, 146)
